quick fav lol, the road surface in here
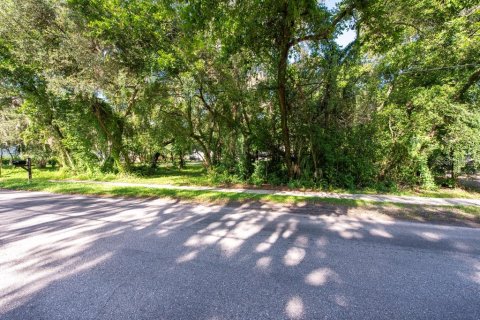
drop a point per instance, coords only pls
(77, 257)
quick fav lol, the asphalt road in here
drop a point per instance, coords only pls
(72, 257)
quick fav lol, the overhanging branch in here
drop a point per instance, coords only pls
(471, 81)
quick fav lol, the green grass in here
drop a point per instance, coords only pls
(470, 210)
(441, 193)
(15, 179)
(437, 193)
(195, 174)
(192, 174)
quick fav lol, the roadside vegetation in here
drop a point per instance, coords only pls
(195, 174)
(15, 179)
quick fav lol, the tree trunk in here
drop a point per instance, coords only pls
(284, 47)
(155, 160)
(42, 163)
(207, 156)
(182, 160)
(65, 152)
(203, 146)
(115, 139)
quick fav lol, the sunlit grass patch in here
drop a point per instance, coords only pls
(14, 179)
(192, 174)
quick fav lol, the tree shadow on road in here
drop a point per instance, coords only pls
(100, 258)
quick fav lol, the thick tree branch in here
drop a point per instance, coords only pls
(205, 103)
(132, 101)
(471, 81)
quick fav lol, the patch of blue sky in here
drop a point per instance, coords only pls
(348, 35)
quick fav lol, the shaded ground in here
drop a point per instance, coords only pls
(72, 257)
(470, 182)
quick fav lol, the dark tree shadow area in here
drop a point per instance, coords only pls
(72, 257)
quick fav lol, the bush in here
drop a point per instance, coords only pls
(259, 175)
(52, 162)
(220, 175)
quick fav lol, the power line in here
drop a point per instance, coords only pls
(440, 68)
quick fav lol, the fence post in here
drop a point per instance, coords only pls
(29, 169)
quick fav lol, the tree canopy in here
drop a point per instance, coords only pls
(262, 89)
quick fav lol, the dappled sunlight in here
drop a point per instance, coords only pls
(201, 210)
(476, 273)
(230, 246)
(293, 256)
(217, 224)
(267, 244)
(39, 261)
(132, 216)
(182, 253)
(294, 308)
(245, 229)
(476, 277)
(35, 279)
(218, 232)
(378, 232)
(459, 245)
(473, 272)
(301, 240)
(187, 256)
(320, 276)
(348, 234)
(347, 229)
(42, 249)
(356, 215)
(264, 263)
(230, 223)
(321, 242)
(198, 241)
(177, 219)
(291, 228)
(432, 236)
(229, 232)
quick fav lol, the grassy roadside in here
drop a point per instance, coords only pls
(194, 174)
(197, 195)
(15, 180)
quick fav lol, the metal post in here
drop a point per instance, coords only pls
(29, 169)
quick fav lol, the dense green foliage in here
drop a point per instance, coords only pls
(260, 88)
